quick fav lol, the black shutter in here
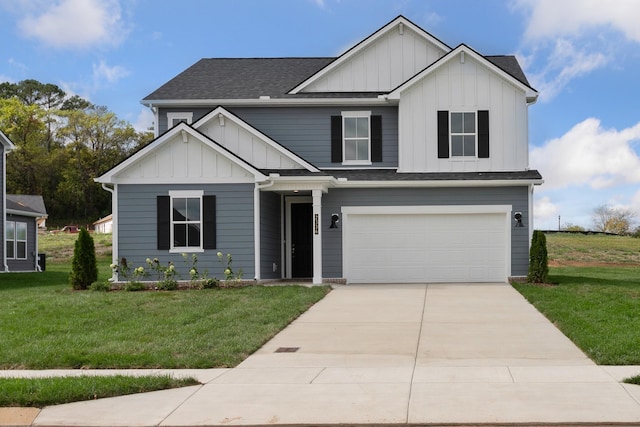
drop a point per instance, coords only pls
(376, 138)
(336, 139)
(443, 134)
(209, 222)
(483, 134)
(164, 222)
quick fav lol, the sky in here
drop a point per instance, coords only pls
(583, 56)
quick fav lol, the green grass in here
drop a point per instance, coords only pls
(596, 302)
(40, 392)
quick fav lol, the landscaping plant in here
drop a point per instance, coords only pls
(538, 259)
(84, 267)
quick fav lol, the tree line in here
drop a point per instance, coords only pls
(62, 143)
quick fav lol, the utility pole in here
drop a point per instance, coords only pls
(558, 222)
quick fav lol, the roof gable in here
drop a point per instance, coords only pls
(462, 52)
(380, 62)
(248, 143)
(6, 142)
(182, 155)
(27, 205)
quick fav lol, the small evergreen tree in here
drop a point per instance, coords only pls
(84, 267)
(538, 259)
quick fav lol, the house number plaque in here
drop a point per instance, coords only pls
(315, 224)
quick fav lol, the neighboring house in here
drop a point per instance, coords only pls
(19, 227)
(402, 160)
(104, 225)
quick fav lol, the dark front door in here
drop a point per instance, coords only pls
(301, 240)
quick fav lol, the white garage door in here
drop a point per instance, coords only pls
(425, 247)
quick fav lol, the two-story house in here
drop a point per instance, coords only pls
(401, 160)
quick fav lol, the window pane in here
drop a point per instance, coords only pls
(469, 122)
(362, 127)
(193, 209)
(456, 123)
(469, 145)
(179, 235)
(350, 150)
(456, 145)
(21, 231)
(194, 235)
(21, 250)
(10, 249)
(179, 209)
(362, 150)
(350, 127)
(11, 235)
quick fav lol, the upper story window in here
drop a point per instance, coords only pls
(175, 118)
(186, 220)
(463, 134)
(356, 137)
(16, 243)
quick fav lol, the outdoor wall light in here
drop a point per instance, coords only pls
(335, 219)
(518, 219)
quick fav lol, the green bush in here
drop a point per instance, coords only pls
(100, 286)
(84, 266)
(538, 259)
(135, 286)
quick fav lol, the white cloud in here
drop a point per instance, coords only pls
(103, 72)
(144, 121)
(553, 18)
(544, 209)
(74, 23)
(572, 38)
(589, 155)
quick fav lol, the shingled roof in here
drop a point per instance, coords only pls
(251, 78)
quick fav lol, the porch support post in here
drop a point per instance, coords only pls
(317, 236)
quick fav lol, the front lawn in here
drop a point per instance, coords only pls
(598, 308)
(44, 324)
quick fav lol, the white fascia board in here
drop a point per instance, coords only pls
(29, 214)
(531, 93)
(203, 181)
(244, 125)
(437, 183)
(421, 209)
(278, 102)
(355, 50)
(8, 145)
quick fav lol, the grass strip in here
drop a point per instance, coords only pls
(41, 392)
(596, 307)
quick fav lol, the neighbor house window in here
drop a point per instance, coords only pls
(16, 242)
(175, 118)
(463, 134)
(356, 131)
(186, 220)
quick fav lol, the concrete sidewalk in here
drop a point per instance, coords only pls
(389, 354)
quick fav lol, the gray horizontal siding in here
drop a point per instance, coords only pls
(336, 198)
(234, 216)
(270, 235)
(307, 131)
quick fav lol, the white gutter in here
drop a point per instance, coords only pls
(344, 183)
(4, 210)
(114, 228)
(376, 100)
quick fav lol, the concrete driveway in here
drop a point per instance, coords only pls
(393, 354)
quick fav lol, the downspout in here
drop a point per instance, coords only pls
(114, 230)
(256, 226)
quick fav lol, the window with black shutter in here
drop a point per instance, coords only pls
(186, 221)
(356, 138)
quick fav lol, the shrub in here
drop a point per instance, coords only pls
(135, 286)
(100, 286)
(84, 266)
(538, 259)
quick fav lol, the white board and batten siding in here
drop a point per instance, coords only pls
(420, 244)
(463, 86)
(383, 65)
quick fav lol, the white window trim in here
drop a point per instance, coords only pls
(186, 116)
(452, 157)
(15, 239)
(351, 114)
(193, 194)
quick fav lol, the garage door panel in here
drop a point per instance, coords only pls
(426, 247)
